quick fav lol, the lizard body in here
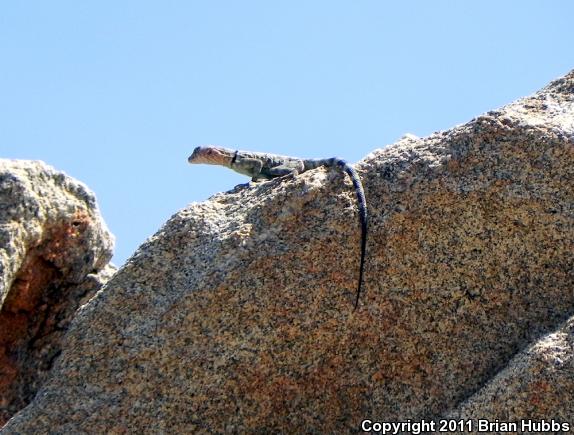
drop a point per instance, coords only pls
(262, 166)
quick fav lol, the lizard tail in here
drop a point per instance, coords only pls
(362, 202)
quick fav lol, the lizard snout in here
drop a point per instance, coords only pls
(194, 154)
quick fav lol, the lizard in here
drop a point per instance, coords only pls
(262, 166)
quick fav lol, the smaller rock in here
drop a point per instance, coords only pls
(54, 255)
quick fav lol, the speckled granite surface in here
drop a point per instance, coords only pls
(237, 316)
(537, 385)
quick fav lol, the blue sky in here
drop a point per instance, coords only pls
(118, 93)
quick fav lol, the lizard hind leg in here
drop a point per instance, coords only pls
(282, 171)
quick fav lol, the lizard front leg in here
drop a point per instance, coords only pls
(249, 166)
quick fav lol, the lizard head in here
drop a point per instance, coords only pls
(211, 155)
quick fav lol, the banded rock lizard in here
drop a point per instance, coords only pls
(261, 166)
